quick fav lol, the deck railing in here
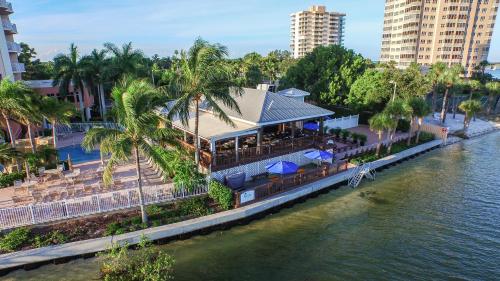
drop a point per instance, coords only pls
(285, 183)
(224, 160)
(90, 205)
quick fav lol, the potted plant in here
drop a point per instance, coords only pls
(362, 139)
(345, 134)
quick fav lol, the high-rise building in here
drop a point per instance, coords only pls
(429, 31)
(9, 65)
(315, 27)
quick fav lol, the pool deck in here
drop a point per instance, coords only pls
(40, 256)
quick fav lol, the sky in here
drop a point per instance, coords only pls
(162, 26)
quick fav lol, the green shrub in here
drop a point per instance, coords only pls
(114, 228)
(426, 137)
(345, 134)
(154, 210)
(15, 239)
(336, 131)
(187, 175)
(220, 194)
(147, 263)
(403, 125)
(196, 206)
(355, 137)
(9, 179)
(362, 139)
(53, 238)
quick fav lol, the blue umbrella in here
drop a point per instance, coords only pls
(282, 168)
(311, 126)
(319, 155)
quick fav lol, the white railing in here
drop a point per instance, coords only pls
(8, 26)
(90, 205)
(343, 122)
(6, 5)
(13, 47)
(18, 67)
(84, 127)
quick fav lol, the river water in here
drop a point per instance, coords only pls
(433, 217)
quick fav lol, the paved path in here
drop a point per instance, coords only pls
(476, 127)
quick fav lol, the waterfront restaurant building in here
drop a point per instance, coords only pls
(268, 125)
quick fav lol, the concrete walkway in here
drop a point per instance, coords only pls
(76, 249)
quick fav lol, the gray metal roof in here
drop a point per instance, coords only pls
(262, 107)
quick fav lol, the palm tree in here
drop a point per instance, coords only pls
(134, 104)
(69, 72)
(474, 86)
(420, 109)
(125, 61)
(380, 122)
(56, 112)
(95, 68)
(396, 110)
(11, 102)
(450, 77)
(30, 114)
(493, 92)
(202, 75)
(470, 107)
(7, 154)
(434, 77)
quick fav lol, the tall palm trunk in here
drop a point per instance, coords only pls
(30, 135)
(410, 133)
(434, 99)
(379, 144)
(420, 120)
(82, 103)
(139, 183)
(102, 101)
(9, 129)
(466, 122)
(389, 148)
(196, 143)
(491, 103)
(54, 135)
(444, 109)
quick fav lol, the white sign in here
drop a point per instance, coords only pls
(247, 196)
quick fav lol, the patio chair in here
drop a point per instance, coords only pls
(37, 196)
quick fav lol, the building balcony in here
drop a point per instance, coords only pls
(13, 47)
(18, 67)
(5, 7)
(9, 27)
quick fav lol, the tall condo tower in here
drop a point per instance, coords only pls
(429, 31)
(9, 65)
(315, 27)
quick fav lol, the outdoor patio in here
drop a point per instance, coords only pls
(84, 179)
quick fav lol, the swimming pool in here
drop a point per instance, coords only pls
(78, 154)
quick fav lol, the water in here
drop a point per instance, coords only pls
(436, 217)
(495, 73)
(78, 154)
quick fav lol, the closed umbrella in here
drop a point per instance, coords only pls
(27, 170)
(282, 168)
(70, 164)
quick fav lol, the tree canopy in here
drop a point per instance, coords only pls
(327, 73)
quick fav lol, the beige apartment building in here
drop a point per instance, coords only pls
(429, 31)
(9, 65)
(315, 27)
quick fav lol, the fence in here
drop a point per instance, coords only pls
(343, 122)
(89, 205)
(84, 127)
(438, 131)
